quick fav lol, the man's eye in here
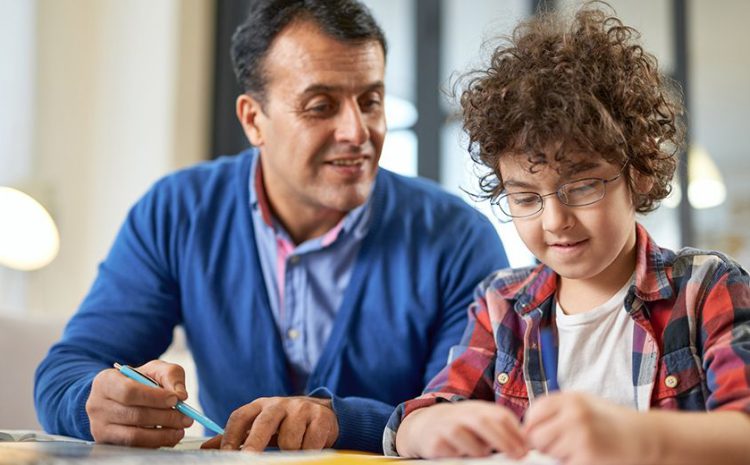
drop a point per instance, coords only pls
(370, 104)
(320, 108)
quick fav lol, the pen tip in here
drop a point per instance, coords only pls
(117, 365)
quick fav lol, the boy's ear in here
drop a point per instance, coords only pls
(250, 114)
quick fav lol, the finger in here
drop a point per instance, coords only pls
(443, 449)
(170, 375)
(238, 425)
(291, 431)
(468, 444)
(266, 424)
(541, 411)
(115, 386)
(503, 434)
(142, 437)
(546, 436)
(146, 417)
(213, 443)
(316, 436)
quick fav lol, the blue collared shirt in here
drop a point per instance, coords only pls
(305, 283)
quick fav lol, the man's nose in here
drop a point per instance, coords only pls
(351, 127)
(556, 216)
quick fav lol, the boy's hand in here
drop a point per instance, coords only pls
(582, 429)
(126, 412)
(290, 423)
(471, 428)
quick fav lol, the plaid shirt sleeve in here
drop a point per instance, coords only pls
(725, 338)
(468, 375)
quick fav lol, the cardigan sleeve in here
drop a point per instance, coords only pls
(127, 317)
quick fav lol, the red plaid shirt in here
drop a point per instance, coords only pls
(691, 339)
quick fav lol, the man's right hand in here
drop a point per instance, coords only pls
(124, 412)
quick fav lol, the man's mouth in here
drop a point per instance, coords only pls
(347, 161)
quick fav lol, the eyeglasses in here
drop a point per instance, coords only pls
(578, 193)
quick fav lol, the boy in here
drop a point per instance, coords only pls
(580, 132)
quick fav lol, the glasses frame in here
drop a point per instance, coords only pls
(559, 193)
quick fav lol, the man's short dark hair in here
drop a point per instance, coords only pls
(345, 20)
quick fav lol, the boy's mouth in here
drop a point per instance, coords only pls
(566, 244)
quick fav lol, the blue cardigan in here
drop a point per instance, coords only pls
(186, 256)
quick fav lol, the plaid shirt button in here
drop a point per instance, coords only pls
(671, 381)
(503, 378)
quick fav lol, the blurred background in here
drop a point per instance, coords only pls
(100, 98)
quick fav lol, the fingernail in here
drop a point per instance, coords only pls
(171, 401)
(187, 421)
(227, 446)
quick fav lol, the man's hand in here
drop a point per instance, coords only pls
(581, 429)
(471, 428)
(294, 422)
(125, 412)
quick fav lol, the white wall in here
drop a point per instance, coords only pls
(17, 79)
(122, 97)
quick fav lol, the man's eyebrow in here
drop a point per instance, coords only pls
(324, 88)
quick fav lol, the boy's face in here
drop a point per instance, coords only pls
(594, 243)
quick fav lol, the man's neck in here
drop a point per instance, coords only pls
(302, 222)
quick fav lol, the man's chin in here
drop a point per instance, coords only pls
(348, 199)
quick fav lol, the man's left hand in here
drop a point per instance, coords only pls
(291, 423)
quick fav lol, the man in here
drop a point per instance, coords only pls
(296, 268)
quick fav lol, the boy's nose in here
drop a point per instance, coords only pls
(556, 216)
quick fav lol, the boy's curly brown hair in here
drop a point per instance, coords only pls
(586, 85)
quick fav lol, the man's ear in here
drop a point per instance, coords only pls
(250, 113)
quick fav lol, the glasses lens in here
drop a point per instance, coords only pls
(582, 192)
(520, 204)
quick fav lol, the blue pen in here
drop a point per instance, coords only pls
(549, 358)
(181, 406)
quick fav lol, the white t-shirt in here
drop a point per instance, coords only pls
(596, 350)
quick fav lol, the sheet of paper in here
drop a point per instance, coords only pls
(532, 458)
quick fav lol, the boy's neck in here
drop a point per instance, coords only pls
(581, 295)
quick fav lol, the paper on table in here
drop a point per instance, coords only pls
(532, 458)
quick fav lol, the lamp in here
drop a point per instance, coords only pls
(706, 188)
(29, 239)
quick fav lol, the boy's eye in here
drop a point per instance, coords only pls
(524, 200)
(582, 187)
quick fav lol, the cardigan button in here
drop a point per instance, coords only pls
(671, 381)
(503, 378)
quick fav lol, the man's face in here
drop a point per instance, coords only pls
(321, 128)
